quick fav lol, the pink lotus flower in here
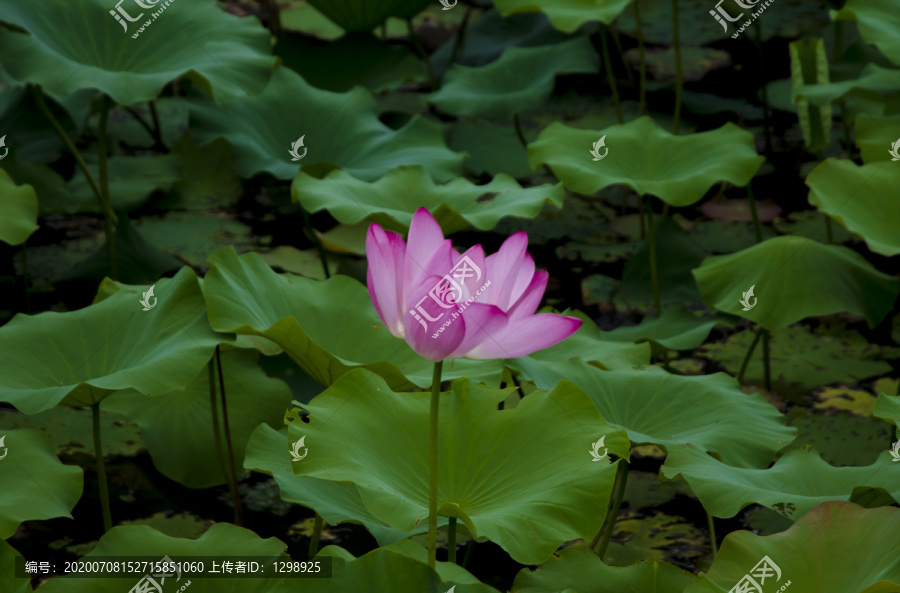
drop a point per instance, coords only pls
(447, 305)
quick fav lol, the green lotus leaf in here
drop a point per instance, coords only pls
(207, 176)
(668, 410)
(8, 581)
(566, 15)
(860, 198)
(587, 343)
(70, 431)
(359, 15)
(878, 23)
(797, 355)
(19, 210)
(793, 278)
(677, 169)
(579, 569)
(177, 426)
(521, 79)
(336, 502)
(815, 552)
(29, 134)
(222, 540)
(80, 357)
(677, 328)
(493, 148)
(383, 569)
(875, 135)
(888, 407)
(872, 78)
(35, 484)
(305, 262)
(392, 200)
(246, 297)
(123, 126)
(448, 571)
(263, 128)
(225, 55)
(131, 182)
(522, 477)
(797, 482)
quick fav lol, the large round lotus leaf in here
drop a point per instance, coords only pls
(379, 570)
(177, 426)
(19, 210)
(668, 410)
(888, 407)
(336, 502)
(579, 569)
(80, 357)
(448, 571)
(676, 328)
(567, 15)
(225, 55)
(838, 546)
(586, 343)
(35, 484)
(878, 22)
(677, 169)
(263, 128)
(863, 199)
(361, 15)
(392, 200)
(245, 296)
(131, 182)
(874, 135)
(8, 581)
(793, 278)
(521, 79)
(221, 541)
(797, 482)
(523, 477)
(872, 78)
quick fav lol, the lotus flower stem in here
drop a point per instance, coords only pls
(767, 371)
(712, 533)
(451, 540)
(109, 214)
(101, 467)
(610, 77)
(316, 536)
(679, 76)
(432, 79)
(615, 35)
(104, 190)
(460, 40)
(433, 464)
(316, 241)
(235, 494)
(762, 82)
(469, 548)
(651, 247)
(757, 229)
(740, 375)
(152, 130)
(643, 62)
(214, 408)
(601, 540)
